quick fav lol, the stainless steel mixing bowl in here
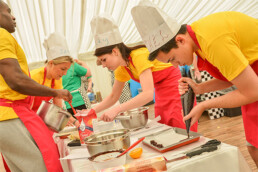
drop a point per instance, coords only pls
(107, 141)
(135, 118)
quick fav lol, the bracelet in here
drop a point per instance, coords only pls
(75, 121)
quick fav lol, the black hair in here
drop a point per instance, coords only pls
(124, 50)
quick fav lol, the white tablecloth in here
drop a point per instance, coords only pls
(227, 158)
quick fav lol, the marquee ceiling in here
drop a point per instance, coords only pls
(36, 19)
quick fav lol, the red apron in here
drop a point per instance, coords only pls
(38, 131)
(250, 111)
(167, 99)
(5, 165)
(38, 99)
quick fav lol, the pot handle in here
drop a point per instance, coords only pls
(123, 117)
(67, 114)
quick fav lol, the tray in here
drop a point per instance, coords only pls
(164, 136)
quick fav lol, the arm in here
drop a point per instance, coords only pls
(146, 96)
(112, 98)
(83, 64)
(246, 83)
(18, 81)
(204, 87)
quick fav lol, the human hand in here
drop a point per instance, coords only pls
(183, 85)
(83, 111)
(195, 113)
(89, 90)
(109, 115)
(73, 122)
(64, 94)
(78, 61)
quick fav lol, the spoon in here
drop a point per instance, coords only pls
(72, 107)
(132, 146)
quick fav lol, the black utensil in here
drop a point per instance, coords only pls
(187, 100)
(194, 153)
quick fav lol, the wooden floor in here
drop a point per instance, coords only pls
(228, 130)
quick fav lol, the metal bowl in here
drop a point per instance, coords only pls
(107, 141)
(112, 161)
(54, 117)
(135, 118)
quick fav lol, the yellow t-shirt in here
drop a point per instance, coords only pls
(9, 48)
(141, 63)
(228, 40)
(38, 76)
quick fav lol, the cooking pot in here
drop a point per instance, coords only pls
(54, 117)
(107, 141)
(135, 118)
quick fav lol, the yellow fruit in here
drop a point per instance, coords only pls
(136, 153)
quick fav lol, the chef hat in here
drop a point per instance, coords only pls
(105, 31)
(155, 27)
(56, 46)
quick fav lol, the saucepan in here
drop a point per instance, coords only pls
(134, 119)
(107, 141)
(54, 117)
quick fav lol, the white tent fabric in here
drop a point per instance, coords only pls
(36, 19)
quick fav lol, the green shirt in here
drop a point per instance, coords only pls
(72, 81)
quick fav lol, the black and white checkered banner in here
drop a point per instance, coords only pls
(214, 112)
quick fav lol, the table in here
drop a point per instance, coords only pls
(227, 158)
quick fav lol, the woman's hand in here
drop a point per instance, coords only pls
(195, 113)
(78, 61)
(109, 115)
(183, 85)
(73, 122)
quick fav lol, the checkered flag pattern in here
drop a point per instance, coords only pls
(126, 93)
(214, 112)
(83, 91)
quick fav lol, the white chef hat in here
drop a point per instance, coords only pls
(105, 31)
(56, 46)
(155, 27)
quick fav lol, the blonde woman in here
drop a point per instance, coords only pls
(57, 64)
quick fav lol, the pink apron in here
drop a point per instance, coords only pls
(38, 131)
(38, 99)
(250, 111)
(167, 99)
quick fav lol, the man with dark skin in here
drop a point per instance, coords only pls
(25, 141)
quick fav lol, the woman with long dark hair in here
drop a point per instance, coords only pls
(132, 63)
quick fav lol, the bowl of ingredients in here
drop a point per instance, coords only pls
(108, 140)
(108, 159)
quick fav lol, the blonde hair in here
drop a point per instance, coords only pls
(62, 59)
